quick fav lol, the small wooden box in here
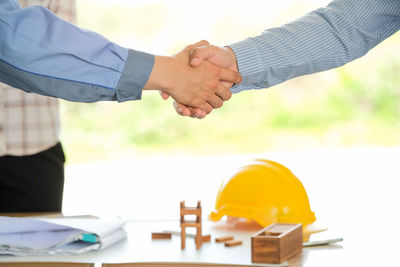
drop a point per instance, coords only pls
(277, 243)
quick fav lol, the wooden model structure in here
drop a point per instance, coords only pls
(196, 211)
(277, 243)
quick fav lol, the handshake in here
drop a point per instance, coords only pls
(198, 78)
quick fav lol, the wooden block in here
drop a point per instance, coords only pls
(277, 243)
(232, 243)
(163, 235)
(190, 211)
(191, 224)
(205, 238)
(223, 239)
(198, 239)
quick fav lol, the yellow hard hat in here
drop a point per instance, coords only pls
(266, 192)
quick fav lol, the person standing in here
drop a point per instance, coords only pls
(31, 155)
(323, 39)
(43, 54)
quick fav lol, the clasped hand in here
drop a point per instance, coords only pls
(198, 78)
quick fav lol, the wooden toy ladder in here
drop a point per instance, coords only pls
(196, 211)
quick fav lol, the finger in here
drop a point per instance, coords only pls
(164, 95)
(193, 112)
(189, 111)
(178, 108)
(202, 116)
(227, 84)
(223, 92)
(199, 54)
(215, 101)
(197, 113)
(206, 107)
(185, 111)
(230, 76)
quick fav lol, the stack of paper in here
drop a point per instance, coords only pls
(43, 237)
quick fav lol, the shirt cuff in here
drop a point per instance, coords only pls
(137, 71)
(249, 64)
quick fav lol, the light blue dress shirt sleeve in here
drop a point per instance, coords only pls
(42, 53)
(323, 39)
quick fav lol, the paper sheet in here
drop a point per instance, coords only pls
(19, 225)
(101, 227)
(38, 236)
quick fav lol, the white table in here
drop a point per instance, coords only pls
(140, 250)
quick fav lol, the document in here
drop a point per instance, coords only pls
(57, 236)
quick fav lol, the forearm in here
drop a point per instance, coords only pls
(44, 54)
(324, 39)
(161, 75)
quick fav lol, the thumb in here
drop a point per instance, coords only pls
(164, 95)
(200, 43)
(199, 54)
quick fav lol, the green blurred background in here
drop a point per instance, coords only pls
(355, 105)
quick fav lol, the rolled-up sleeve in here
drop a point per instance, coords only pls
(323, 39)
(42, 53)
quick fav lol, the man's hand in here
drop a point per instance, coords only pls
(198, 87)
(223, 57)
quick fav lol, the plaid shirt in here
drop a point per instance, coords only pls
(30, 123)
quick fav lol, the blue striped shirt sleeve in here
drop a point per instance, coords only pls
(323, 39)
(42, 53)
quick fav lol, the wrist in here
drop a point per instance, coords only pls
(232, 55)
(161, 76)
